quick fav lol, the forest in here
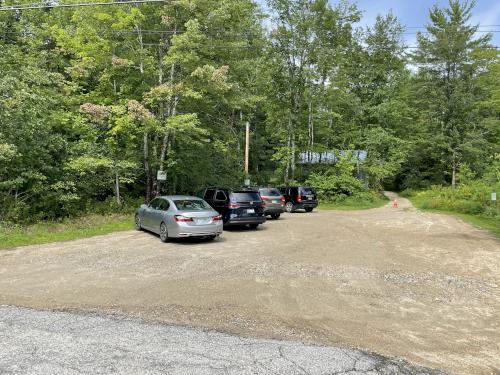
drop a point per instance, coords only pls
(95, 100)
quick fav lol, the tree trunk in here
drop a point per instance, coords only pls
(310, 124)
(287, 168)
(291, 129)
(147, 168)
(117, 188)
(170, 111)
(164, 150)
(141, 48)
(454, 170)
(292, 157)
(291, 126)
(166, 138)
(311, 131)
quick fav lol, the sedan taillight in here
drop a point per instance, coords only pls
(217, 218)
(182, 219)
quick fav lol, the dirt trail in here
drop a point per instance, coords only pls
(425, 287)
(402, 203)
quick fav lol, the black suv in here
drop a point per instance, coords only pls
(297, 197)
(237, 206)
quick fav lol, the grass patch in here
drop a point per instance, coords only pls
(353, 203)
(67, 230)
(479, 221)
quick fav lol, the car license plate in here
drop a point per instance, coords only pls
(275, 202)
(250, 211)
(310, 198)
(203, 220)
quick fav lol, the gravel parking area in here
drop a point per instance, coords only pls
(398, 282)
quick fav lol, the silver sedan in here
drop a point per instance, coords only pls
(178, 216)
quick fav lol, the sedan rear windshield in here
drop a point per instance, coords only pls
(247, 196)
(270, 192)
(191, 205)
(307, 191)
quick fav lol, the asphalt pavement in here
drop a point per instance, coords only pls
(57, 342)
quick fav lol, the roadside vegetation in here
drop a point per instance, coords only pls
(96, 100)
(469, 200)
(103, 218)
(359, 202)
(339, 188)
(64, 230)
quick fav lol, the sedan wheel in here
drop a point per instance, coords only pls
(289, 207)
(163, 233)
(138, 222)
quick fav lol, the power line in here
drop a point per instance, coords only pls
(44, 6)
(153, 32)
(209, 45)
(426, 32)
(216, 33)
(424, 27)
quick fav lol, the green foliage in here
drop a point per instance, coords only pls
(386, 154)
(360, 201)
(452, 60)
(12, 236)
(470, 201)
(338, 182)
(96, 100)
(469, 197)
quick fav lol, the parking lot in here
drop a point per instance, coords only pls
(399, 282)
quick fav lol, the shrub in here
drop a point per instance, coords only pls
(334, 187)
(473, 197)
(338, 182)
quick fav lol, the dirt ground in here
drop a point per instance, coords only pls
(399, 282)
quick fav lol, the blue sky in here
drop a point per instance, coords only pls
(415, 14)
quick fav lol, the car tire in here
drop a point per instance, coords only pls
(137, 222)
(163, 232)
(309, 209)
(289, 207)
(253, 226)
(275, 216)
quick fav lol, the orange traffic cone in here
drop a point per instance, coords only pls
(395, 203)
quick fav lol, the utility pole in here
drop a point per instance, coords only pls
(247, 152)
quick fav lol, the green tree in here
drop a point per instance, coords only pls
(308, 46)
(448, 85)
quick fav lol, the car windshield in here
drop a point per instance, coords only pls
(246, 196)
(270, 192)
(307, 191)
(191, 205)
